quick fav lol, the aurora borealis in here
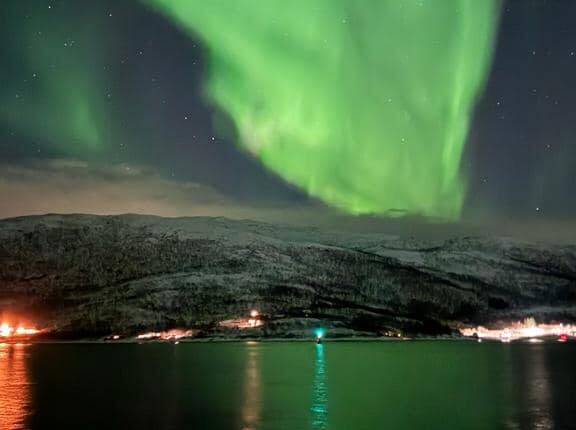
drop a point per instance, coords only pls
(365, 105)
(65, 107)
(453, 110)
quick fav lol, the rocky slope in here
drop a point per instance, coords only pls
(83, 275)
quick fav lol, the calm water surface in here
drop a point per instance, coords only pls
(295, 386)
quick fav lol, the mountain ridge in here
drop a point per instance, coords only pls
(91, 275)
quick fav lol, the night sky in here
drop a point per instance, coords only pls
(103, 109)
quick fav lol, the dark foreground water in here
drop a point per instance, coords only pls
(295, 386)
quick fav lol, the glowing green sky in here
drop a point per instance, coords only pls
(56, 94)
(365, 104)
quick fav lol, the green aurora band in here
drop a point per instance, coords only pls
(365, 104)
(61, 101)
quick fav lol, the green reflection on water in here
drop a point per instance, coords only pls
(283, 385)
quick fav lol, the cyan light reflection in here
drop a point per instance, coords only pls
(320, 392)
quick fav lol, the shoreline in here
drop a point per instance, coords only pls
(233, 340)
(257, 340)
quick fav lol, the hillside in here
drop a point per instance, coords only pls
(84, 275)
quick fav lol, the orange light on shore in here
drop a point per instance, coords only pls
(254, 321)
(23, 331)
(8, 331)
(173, 334)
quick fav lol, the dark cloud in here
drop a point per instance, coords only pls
(70, 186)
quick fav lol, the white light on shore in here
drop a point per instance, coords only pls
(527, 329)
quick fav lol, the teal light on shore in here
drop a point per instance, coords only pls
(319, 332)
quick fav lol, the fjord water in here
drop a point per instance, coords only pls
(288, 385)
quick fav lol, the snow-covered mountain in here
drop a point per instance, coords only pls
(87, 275)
